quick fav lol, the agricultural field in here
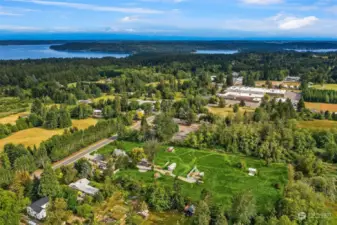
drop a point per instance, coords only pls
(318, 124)
(321, 106)
(223, 178)
(34, 136)
(325, 87)
(12, 118)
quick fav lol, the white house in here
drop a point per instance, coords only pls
(83, 186)
(38, 209)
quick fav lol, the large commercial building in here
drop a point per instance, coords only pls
(250, 94)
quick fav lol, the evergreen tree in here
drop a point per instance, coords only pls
(243, 208)
(64, 119)
(202, 214)
(52, 117)
(229, 80)
(300, 105)
(49, 185)
(222, 103)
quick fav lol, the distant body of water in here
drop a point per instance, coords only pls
(313, 50)
(226, 52)
(8, 52)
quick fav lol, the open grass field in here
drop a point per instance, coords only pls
(104, 97)
(325, 86)
(84, 124)
(227, 110)
(321, 106)
(12, 118)
(318, 124)
(223, 178)
(34, 136)
(29, 137)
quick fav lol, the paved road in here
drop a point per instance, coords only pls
(94, 147)
(73, 158)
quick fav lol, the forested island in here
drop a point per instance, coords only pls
(132, 47)
(156, 138)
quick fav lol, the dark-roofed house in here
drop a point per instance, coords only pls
(38, 209)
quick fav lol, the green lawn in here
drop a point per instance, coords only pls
(222, 177)
(325, 86)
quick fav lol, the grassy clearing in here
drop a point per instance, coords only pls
(325, 86)
(224, 112)
(12, 105)
(222, 176)
(34, 136)
(12, 118)
(84, 124)
(104, 97)
(317, 124)
(321, 106)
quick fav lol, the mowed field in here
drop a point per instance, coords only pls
(223, 178)
(12, 118)
(34, 136)
(325, 86)
(318, 124)
(321, 106)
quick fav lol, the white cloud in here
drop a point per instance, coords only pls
(18, 28)
(291, 23)
(130, 19)
(165, 1)
(262, 2)
(82, 6)
(4, 13)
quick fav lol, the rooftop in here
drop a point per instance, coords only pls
(83, 186)
(256, 90)
(39, 204)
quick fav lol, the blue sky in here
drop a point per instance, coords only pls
(206, 18)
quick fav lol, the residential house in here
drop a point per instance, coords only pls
(83, 186)
(38, 209)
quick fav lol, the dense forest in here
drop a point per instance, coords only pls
(190, 46)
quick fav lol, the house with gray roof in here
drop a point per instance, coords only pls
(38, 209)
(83, 186)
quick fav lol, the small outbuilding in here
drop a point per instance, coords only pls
(119, 153)
(252, 172)
(172, 167)
(189, 210)
(170, 149)
(97, 113)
